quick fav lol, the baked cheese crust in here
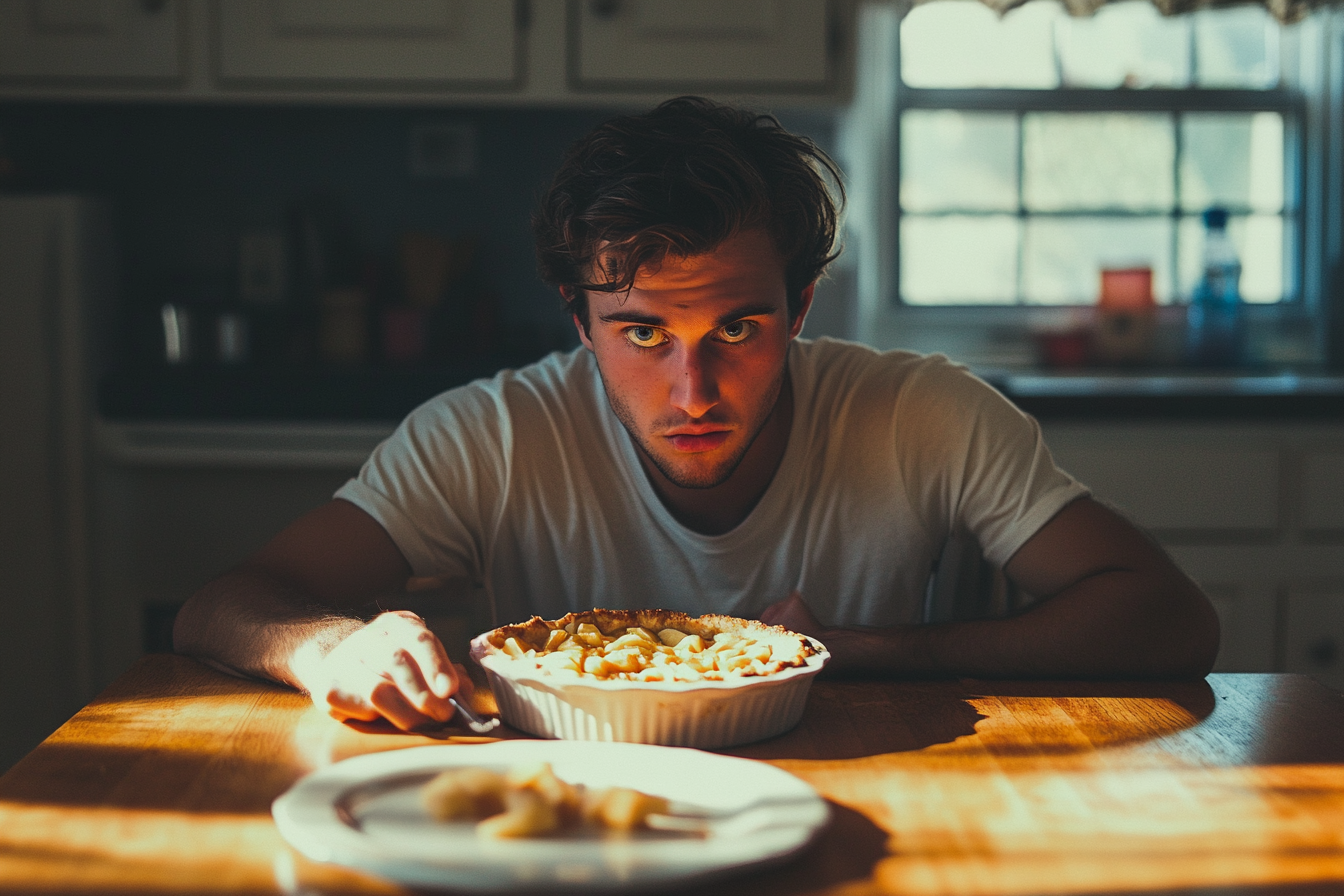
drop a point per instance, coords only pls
(648, 645)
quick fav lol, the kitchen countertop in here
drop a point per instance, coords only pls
(350, 395)
(1173, 394)
(256, 394)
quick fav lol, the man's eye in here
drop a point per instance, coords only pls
(645, 337)
(736, 331)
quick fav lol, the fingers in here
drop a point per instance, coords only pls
(395, 668)
(391, 702)
(431, 660)
(380, 698)
(410, 687)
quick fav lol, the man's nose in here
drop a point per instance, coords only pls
(695, 389)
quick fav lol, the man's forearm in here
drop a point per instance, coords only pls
(1111, 625)
(249, 622)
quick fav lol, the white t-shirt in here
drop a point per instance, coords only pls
(528, 486)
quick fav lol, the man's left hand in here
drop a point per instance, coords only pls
(793, 614)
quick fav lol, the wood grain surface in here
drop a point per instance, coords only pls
(163, 784)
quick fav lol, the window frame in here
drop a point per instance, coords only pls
(1288, 102)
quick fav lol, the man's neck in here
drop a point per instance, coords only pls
(716, 510)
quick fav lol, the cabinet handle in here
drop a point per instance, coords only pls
(604, 9)
(153, 7)
(1323, 653)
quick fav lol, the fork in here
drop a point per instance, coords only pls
(475, 722)
(737, 821)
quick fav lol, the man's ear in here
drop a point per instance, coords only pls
(567, 293)
(797, 326)
(583, 332)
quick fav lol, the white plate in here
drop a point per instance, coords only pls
(365, 812)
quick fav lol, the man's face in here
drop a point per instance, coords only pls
(693, 357)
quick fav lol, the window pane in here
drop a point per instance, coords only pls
(1232, 159)
(1062, 258)
(1236, 47)
(1085, 161)
(958, 160)
(963, 43)
(1260, 242)
(958, 258)
(1125, 44)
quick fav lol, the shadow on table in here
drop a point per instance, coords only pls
(846, 850)
(852, 719)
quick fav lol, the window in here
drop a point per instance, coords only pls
(1035, 149)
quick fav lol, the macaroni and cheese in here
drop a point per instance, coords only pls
(650, 645)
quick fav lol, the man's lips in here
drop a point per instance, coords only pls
(703, 441)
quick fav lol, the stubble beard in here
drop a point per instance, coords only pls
(699, 478)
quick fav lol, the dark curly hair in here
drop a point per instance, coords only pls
(682, 179)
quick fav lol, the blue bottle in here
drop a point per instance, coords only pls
(1214, 326)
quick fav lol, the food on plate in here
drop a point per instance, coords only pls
(648, 645)
(530, 801)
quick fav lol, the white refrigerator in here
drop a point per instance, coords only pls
(56, 277)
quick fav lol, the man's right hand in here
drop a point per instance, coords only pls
(288, 615)
(393, 668)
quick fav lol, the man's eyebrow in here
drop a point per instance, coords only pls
(654, 320)
(631, 317)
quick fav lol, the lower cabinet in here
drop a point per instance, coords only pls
(162, 532)
(1254, 512)
(176, 505)
(1313, 638)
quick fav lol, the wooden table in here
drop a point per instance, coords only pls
(163, 784)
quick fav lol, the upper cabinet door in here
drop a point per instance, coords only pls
(90, 40)
(770, 45)
(392, 43)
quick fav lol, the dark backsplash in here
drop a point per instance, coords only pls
(186, 183)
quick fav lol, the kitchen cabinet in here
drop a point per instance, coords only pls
(1186, 485)
(1323, 492)
(1314, 634)
(605, 53)
(86, 41)
(175, 505)
(1254, 512)
(414, 43)
(163, 530)
(778, 44)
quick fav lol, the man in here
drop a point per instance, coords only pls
(696, 455)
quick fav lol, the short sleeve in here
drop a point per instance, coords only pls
(973, 461)
(436, 484)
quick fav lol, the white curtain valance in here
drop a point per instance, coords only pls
(1286, 11)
